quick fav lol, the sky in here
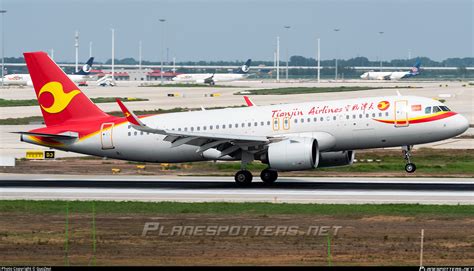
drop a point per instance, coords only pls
(214, 30)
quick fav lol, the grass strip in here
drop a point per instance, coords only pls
(13, 103)
(111, 207)
(306, 90)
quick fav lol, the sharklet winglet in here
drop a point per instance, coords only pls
(131, 117)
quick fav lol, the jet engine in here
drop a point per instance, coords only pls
(335, 159)
(297, 153)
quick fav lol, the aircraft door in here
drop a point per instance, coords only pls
(106, 131)
(401, 113)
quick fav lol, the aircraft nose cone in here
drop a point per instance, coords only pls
(462, 124)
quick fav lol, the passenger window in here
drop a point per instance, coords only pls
(321, 119)
(315, 119)
(428, 110)
(268, 122)
(185, 129)
(135, 133)
(255, 124)
(179, 129)
(223, 126)
(386, 114)
(249, 124)
(334, 118)
(217, 126)
(262, 123)
(198, 128)
(380, 114)
(308, 120)
(360, 116)
(243, 124)
(192, 128)
(302, 120)
(353, 116)
(296, 120)
(129, 133)
(210, 127)
(373, 115)
(347, 116)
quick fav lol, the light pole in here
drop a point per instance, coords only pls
(278, 59)
(337, 55)
(113, 53)
(287, 27)
(162, 48)
(76, 45)
(319, 60)
(381, 49)
(140, 56)
(3, 45)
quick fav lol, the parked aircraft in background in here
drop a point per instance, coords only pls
(286, 137)
(415, 70)
(212, 78)
(79, 77)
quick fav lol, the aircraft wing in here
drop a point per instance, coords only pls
(226, 143)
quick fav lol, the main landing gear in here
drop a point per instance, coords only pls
(244, 177)
(409, 167)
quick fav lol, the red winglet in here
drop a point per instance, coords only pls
(128, 114)
(248, 101)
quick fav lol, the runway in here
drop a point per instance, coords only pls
(208, 189)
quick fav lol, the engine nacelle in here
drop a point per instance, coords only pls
(336, 159)
(297, 153)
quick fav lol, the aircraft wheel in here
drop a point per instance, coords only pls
(243, 177)
(410, 167)
(269, 176)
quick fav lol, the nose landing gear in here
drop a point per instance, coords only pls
(409, 167)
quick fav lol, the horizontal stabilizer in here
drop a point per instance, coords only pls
(67, 136)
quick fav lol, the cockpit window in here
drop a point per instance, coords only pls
(445, 108)
(436, 109)
(428, 110)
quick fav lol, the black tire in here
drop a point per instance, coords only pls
(269, 176)
(243, 177)
(410, 167)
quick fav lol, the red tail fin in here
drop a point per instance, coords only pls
(59, 98)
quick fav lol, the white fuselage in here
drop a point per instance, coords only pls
(202, 77)
(384, 75)
(25, 79)
(337, 125)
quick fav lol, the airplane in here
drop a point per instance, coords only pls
(25, 79)
(415, 70)
(286, 137)
(212, 78)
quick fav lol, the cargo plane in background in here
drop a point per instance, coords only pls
(25, 79)
(286, 137)
(372, 75)
(212, 78)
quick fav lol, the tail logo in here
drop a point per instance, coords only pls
(383, 105)
(60, 99)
